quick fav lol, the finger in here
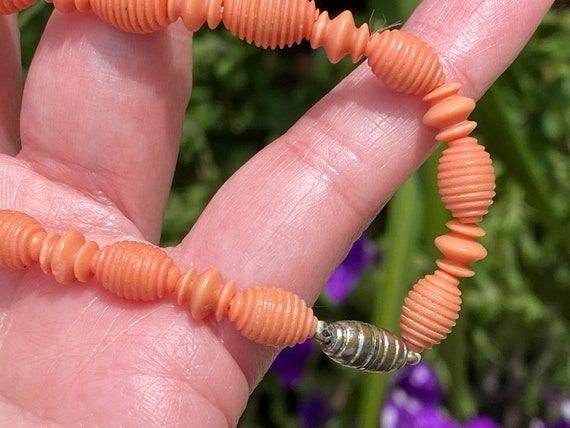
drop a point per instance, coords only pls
(103, 111)
(10, 85)
(476, 52)
(288, 217)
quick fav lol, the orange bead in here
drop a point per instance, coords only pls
(61, 254)
(272, 316)
(340, 37)
(441, 92)
(404, 62)
(21, 238)
(270, 23)
(430, 311)
(449, 112)
(456, 131)
(136, 271)
(466, 180)
(195, 13)
(460, 248)
(207, 293)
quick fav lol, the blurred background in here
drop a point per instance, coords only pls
(507, 361)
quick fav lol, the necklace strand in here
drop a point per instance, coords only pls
(269, 315)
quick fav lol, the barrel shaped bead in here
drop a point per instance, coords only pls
(430, 311)
(404, 62)
(466, 180)
(272, 316)
(270, 23)
(136, 270)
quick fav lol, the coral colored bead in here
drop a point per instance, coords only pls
(466, 180)
(48, 244)
(270, 23)
(195, 12)
(207, 293)
(82, 267)
(20, 239)
(272, 316)
(442, 92)
(455, 268)
(404, 62)
(430, 311)
(136, 271)
(63, 256)
(340, 37)
(460, 248)
(456, 131)
(449, 111)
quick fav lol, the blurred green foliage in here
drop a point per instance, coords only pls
(511, 345)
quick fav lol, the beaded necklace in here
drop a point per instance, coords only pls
(269, 315)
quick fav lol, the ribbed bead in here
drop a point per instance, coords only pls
(270, 23)
(404, 62)
(21, 237)
(272, 316)
(466, 180)
(430, 311)
(133, 16)
(136, 271)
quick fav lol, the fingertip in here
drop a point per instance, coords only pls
(476, 41)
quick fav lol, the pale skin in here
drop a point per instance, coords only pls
(91, 145)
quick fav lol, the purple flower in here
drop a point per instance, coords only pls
(414, 401)
(290, 363)
(434, 417)
(361, 256)
(403, 411)
(420, 382)
(399, 410)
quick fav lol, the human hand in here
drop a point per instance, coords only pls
(100, 119)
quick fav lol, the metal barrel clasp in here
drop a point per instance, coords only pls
(364, 346)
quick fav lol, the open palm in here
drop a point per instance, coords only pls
(100, 120)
